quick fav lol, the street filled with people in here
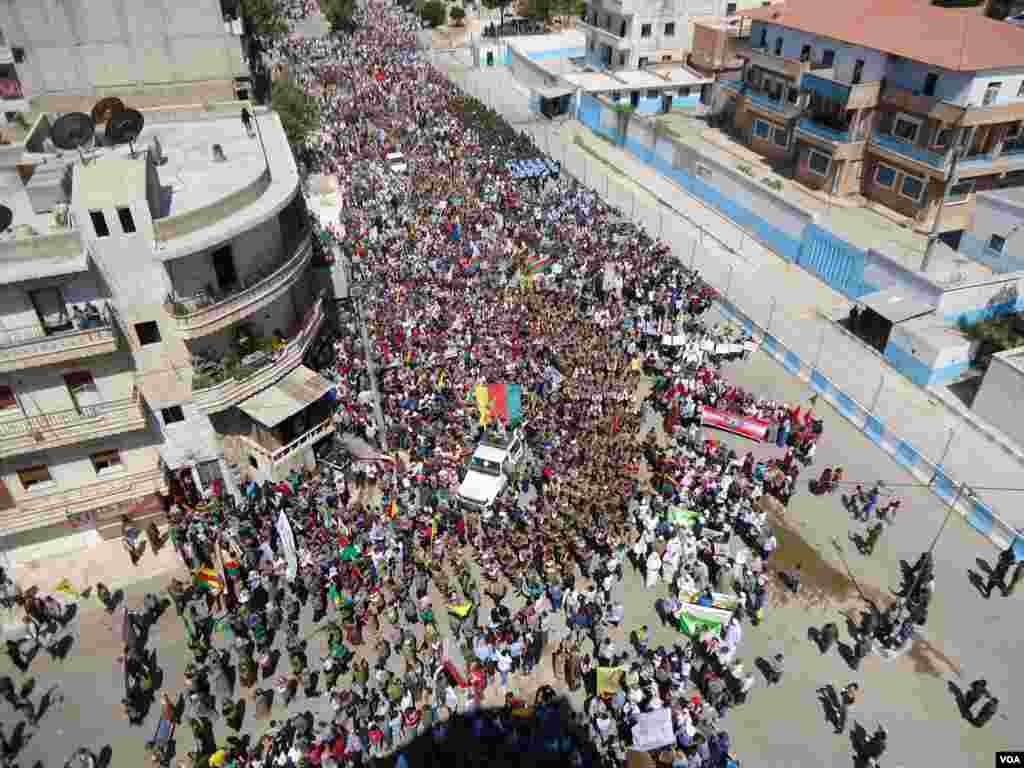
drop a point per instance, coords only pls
(379, 608)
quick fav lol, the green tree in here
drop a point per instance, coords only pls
(541, 9)
(339, 14)
(434, 12)
(300, 114)
(263, 18)
(457, 14)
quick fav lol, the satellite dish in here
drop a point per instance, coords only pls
(73, 130)
(106, 108)
(6, 217)
(125, 126)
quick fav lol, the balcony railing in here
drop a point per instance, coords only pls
(34, 345)
(1010, 159)
(852, 95)
(765, 58)
(906, 149)
(781, 106)
(279, 458)
(823, 131)
(74, 425)
(220, 314)
(38, 510)
(222, 396)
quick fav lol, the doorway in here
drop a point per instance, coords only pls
(634, 99)
(83, 391)
(224, 268)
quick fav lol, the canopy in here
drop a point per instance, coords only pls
(290, 395)
(897, 305)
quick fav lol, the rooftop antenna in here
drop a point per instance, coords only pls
(74, 131)
(125, 126)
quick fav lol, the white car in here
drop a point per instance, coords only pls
(489, 468)
(396, 162)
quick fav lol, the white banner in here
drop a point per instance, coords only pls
(284, 531)
(653, 730)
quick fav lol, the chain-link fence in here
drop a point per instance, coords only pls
(960, 463)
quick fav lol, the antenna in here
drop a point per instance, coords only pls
(106, 108)
(125, 126)
(6, 217)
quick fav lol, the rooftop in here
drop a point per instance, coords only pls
(103, 184)
(665, 76)
(914, 29)
(1012, 357)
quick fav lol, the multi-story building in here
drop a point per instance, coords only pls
(876, 97)
(65, 54)
(196, 251)
(633, 34)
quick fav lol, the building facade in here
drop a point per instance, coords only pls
(196, 254)
(877, 98)
(66, 54)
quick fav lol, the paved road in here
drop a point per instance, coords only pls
(781, 726)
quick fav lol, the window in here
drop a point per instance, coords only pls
(99, 224)
(912, 187)
(670, 29)
(653, 94)
(818, 163)
(106, 462)
(51, 309)
(148, 332)
(667, 57)
(7, 398)
(622, 29)
(645, 30)
(764, 38)
(805, 53)
(224, 267)
(943, 137)
(996, 243)
(684, 91)
(781, 137)
(642, 63)
(35, 477)
(958, 193)
(83, 391)
(622, 59)
(127, 222)
(858, 71)
(828, 57)
(172, 414)
(761, 129)
(885, 176)
(19, 55)
(930, 82)
(906, 128)
(991, 94)
(730, 9)
(778, 46)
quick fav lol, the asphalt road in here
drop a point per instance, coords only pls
(783, 726)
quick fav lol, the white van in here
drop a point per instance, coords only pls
(489, 468)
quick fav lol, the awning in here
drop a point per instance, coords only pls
(897, 305)
(555, 92)
(290, 395)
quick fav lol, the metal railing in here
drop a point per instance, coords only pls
(906, 149)
(70, 425)
(807, 125)
(234, 305)
(29, 334)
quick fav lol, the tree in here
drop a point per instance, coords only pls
(263, 18)
(339, 14)
(457, 14)
(299, 112)
(498, 5)
(541, 9)
(434, 12)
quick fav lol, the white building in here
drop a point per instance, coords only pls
(57, 52)
(200, 244)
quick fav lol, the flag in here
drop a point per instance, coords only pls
(393, 509)
(232, 567)
(535, 264)
(64, 586)
(207, 578)
(482, 399)
(504, 400)
(694, 619)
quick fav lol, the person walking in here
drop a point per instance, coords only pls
(997, 576)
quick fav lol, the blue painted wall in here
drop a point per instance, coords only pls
(556, 53)
(686, 102)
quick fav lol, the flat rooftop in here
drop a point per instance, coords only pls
(664, 76)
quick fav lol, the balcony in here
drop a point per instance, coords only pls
(277, 462)
(76, 425)
(853, 96)
(1010, 159)
(220, 397)
(916, 103)
(902, 150)
(38, 510)
(33, 346)
(199, 316)
(823, 132)
(778, 108)
(841, 144)
(604, 36)
(765, 59)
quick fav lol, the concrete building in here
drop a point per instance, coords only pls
(874, 97)
(1001, 390)
(66, 54)
(996, 238)
(196, 250)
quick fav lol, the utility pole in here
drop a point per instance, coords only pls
(933, 236)
(371, 369)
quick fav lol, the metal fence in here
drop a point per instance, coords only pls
(934, 443)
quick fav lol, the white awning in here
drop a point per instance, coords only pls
(290, 395)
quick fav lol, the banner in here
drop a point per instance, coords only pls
(653, 730)
(694, 619)
(744, 426)
(284, 531)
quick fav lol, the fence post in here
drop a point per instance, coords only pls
(878, 392)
